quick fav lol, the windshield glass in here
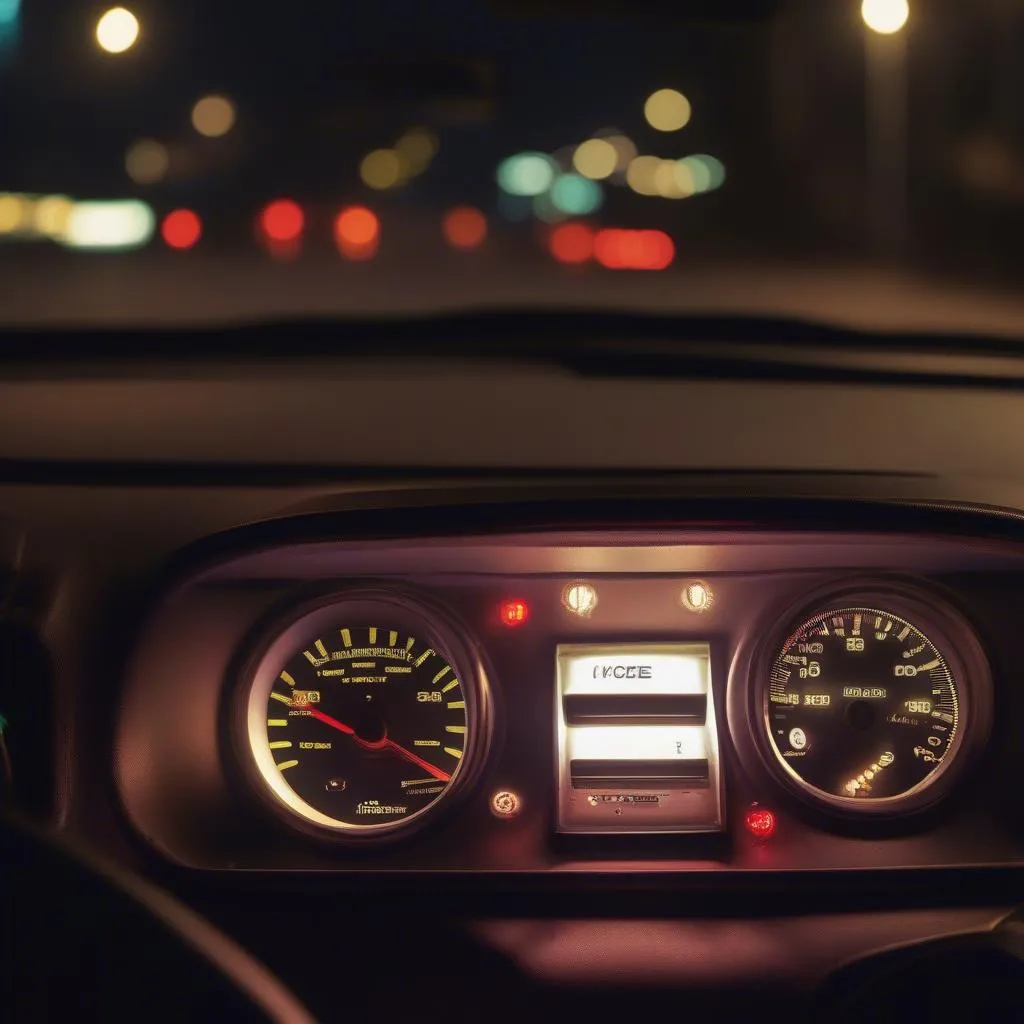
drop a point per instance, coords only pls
(208, 161)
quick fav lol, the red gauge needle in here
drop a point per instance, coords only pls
(382, 744)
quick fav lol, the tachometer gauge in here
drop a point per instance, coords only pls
(866, 705)
(363, 715)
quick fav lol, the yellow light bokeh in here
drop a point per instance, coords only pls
(382, 169)
(673, 181)
(117, 30)
(51, 215)
(885, 16)
(213, 116)
(14, 211)
(596, 159)
(417, 147)
(641, 175)
(146, 162)
(625, 150)
(667, 110)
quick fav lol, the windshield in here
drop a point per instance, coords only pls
(209, 161)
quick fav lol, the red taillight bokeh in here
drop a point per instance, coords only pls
(621, 249)
(572, 243)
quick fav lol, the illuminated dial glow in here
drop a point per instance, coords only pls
(861, 705)
(364, 726)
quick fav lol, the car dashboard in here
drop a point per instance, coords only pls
(607, 738)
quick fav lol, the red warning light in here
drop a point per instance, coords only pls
(760, 822)
(181, 229)
(282, 221)
(514, 612)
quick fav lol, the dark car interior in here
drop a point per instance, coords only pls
(420, 625)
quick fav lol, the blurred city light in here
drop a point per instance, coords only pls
(357, 232)
(574, 194)
(108, 224)
(282, 221)
(181, 229)
(596, 158)
(707, 172)
(669, 183)
(382, 169)
(641, 175)
(146, 162)
(625, 151)
(619, 249)
(885, 16)
(9, 10)
(15, 214)
(117, 30)
(526, 174)
(464, 227)
(213, 116)
(572, 243)
(51, 215)
(667, 110)
(416, 148)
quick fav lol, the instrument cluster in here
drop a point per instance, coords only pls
(690, 699)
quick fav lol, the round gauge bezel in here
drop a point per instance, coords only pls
(388, 607)
(952, 637)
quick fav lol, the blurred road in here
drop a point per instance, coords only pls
(45, 286)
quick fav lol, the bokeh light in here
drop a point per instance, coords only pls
(9, 11)
(357, 232)
(416, 148)
(181, 229)
(596, 158)
(574, 194)
(51, 215)
(465, 227)
(146, 162)
(213, 116)
(619, 249)
(707, 172)
(109, 224)
(667, 110)
(885, 16)
(117, 30)
(14, 213)
(382, 169)
(282, 221)
(670, 182)
(572, 243)
(641, 175)
(526, 174)
(625, 150)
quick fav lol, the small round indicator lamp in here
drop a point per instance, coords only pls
(514, 611)
(506, 803)
(580, 599)
(760, 822)
(697, 596)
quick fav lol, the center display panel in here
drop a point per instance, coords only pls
(637, 742)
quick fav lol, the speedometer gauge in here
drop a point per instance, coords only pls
(866, 704)
(365, 714)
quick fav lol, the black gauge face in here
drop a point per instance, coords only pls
(862, 707)
(363, 727)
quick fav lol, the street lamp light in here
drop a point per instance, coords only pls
(885, 17)
(887, 120)
(117, 30)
